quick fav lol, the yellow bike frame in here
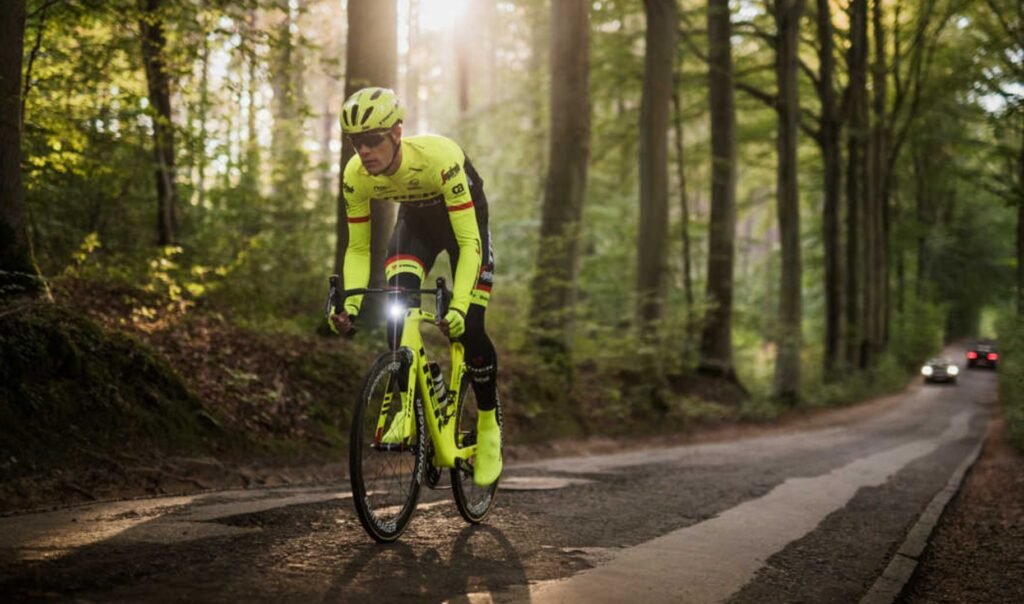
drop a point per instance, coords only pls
(440, 421)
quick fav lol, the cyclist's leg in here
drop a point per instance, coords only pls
(481, 358)
(411, 253)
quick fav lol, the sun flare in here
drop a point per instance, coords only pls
(435, 15)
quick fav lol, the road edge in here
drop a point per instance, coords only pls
(890, 584)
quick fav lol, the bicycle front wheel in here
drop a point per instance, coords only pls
(386, 457)
(473, 501)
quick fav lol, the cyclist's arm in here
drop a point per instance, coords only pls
(462, 215)
(356, 270)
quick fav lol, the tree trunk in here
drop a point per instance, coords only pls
(204, 110)
(828, 140)
(1020, 225)
(787, 362)
(554, 287)
(878, 268)
(18, 272)
(289, 162)
(371, 60)
(685, 219)
(856, 284)
(716, 338)
(153, 46)
(412, 70)
(652, 248)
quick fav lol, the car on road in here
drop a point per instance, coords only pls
(983, 354)
(940, 369)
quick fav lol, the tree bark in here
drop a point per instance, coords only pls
(1020, 224)
(371, 60)
(652, 243)
(159, 83)
(684, 208)
(787, 362)
(856, 350)
(828, 140)
(289, 160)
(716, 338)
(412, 70)
(878, 252)
(554, 286)
(18, 272)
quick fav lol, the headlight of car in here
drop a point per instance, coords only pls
(926, 370)
(952, 370)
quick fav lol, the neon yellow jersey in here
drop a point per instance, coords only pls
(432, 171)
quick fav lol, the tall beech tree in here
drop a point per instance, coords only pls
(652, 234)
(716, 338)
(554, 285)
(827, 135)
(787, 363)
(856, 179)
(154, 48)
(18, 272)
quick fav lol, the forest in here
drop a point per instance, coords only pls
(699, 210)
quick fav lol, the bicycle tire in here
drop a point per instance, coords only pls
(385, 482)
(474, 502)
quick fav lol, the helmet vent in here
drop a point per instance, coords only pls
(366, 116)
(376, 94)
(352, 114)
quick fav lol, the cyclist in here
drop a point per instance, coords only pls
(441, 207)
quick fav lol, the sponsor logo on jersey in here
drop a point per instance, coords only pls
(450, 173)
(458, 189)
(348, 188)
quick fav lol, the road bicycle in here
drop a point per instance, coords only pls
(408, 426)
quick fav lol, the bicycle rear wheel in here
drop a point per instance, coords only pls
(385, 477)
(473, 501)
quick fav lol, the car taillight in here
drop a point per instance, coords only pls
(972, 355)
(992, 356)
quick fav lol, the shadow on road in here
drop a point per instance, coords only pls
(483, 561)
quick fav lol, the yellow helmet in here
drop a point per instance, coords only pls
(371, 109)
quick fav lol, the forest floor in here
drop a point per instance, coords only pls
(976, 553)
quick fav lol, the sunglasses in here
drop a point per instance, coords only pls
(368, 139)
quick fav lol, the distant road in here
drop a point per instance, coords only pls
(811, 516)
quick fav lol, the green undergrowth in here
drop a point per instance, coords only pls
(71, 391)
(1011, 377)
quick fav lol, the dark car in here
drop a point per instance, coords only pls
(983, 354)
(940, 370)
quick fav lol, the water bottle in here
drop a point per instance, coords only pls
(440, 390)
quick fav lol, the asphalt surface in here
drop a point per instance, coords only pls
(793, 516)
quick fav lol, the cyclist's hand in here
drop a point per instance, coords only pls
(454, 324)
(341, 323)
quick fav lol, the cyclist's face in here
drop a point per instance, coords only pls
(375, 149)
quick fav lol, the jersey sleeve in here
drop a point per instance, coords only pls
(455, 188)
(356, 269)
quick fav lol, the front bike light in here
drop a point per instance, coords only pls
(396, 311)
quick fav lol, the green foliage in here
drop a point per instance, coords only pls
(1011, 375)
(917, 333)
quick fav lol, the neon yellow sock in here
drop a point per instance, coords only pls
(488, 464)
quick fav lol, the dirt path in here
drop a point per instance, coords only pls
(976, 553)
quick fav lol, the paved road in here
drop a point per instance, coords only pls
(807, 516)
